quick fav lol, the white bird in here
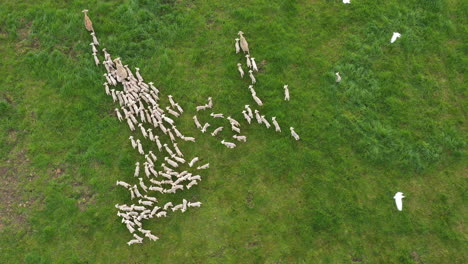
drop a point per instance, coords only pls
(243, 43)
(239, 68)
(338, 77)
(254, 64)
(237, 46)
(294, 134)
(275, 123)
(252, 77)
(395, 36)
(248, 62)
(286, 92)
(193, 161)
(228, 144)
(399, 200)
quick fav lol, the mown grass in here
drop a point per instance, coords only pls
(395, 123)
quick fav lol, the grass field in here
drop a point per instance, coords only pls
(397, 122)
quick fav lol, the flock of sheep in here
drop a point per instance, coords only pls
(139, 107)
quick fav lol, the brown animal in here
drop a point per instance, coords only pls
(87, 21)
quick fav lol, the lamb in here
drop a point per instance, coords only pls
(195, 204)
(247, 107)
(216, 131)
(252, 77)
(286, 92)
(171, 100)
(239, 68)
(140, 147)
(137, 73)
(265, 121)
(143, 130)
(233, 121)
(275, 123)
(228, 144)
(147, 203)
(338, 77)
(294, 134)
(161, 214)
(96, 59)
(197, 123)
(193, 161)
(240, 138)
(205, 127)
(137, 169)
(254, 65)
(201, 107)
(179, 108)
(237, 46)
(119, 116)
(210, 103)
(249, 64)
(123, 184)
(93, 48)
(171, 162)
(217, 115)
(258, 117)
(95, 41)
(203, 167)
(153, 156)
(178, 150)
(169, 151)
(192, 139)
(172, 112)
(235, 129)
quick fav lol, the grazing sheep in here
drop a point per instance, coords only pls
(265, 121)
(216, 131)
(137, 169)
(243, 43)
(179, 108)
(119, 116)
(96, 59)
(275, 123)
(123, 184)
(192, 139)
(172, 112)
(395, 36)
(338, 77)
(161, 214)
(252, 77)
(235, 129)
(286, 92)
(246, 116)
(399, 200)
(201, 107)
(254, 64)
(257, 100)
(153, 156)
(93, 47)
(168, 150)
(138, 75)
(171, 162)
(217, 115)
(140, 147)
(237, 46)
(203, 167)
(233, 121)
(87, 21)
(193, 161)
(210, 103)
(205, 127)
(248, 62)
(228, 144)
(95, 41)
(240, 138)
(190, 184)
(143, 130)
(171, 100)
(294, 134)
(258, 117)
(239, 68)
(195, 204)
(177, 150)
(247, 107)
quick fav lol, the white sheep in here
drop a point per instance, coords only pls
(179, 108)
(240, 138)
(137, 169)
(249, 111)
(143, 130)
(140, 147)
(93, 47)
(395, 36)
(239, 68)
(169, 151)
(195, 204)
(205, 127)
(216, 131)
(95, 41)
(205, 166)
(235, 129)
(96, 59)
(399, 200)
(193, 161)
(254, 64)
(258, 117)
(119, 116)
(248, 62)
(294, 134)
(275, 123)
(252, 77)
(265, 121)
(246, 116)
(197, 123)
(338, 77)
(228, 144)
(123, 184)
(172, 112)
(243, 43)
(237, 46)
(220, 115)
(286, 92)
